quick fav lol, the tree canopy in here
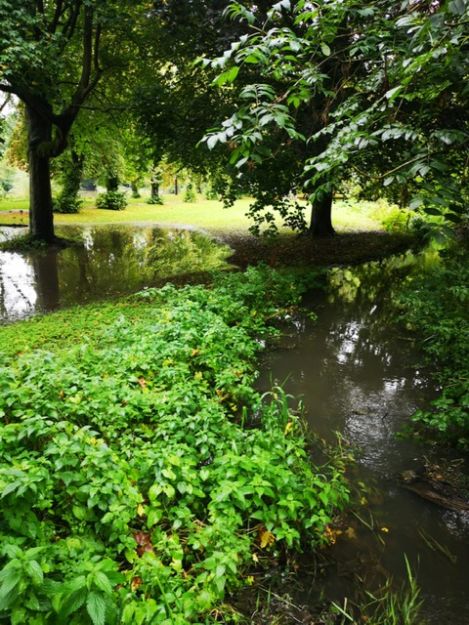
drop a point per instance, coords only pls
(334, 89)
(52, 56)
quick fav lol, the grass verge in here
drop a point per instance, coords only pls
(142, 477)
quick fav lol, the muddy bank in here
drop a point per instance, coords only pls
(342, 249)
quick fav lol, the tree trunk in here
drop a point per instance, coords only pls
(112, 184)
(176, 186)
(321, 224)
(135, 191)
(155, 190)
(68, 201)
(41, 220)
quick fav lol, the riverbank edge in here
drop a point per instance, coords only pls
(252, 301)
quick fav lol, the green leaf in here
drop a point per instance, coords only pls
(228, 76)
(96, 608)
(325, 49)
(101, 581)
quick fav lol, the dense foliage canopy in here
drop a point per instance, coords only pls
(375, 91)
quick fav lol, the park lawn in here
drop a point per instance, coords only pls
(206, 214)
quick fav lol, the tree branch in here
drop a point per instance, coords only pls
(69, 27)
(59, 11)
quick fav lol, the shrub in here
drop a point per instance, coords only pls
(141, 475)
(434, 303)
(155, 200)
(68, 204)
(112, 200)
(190, 195)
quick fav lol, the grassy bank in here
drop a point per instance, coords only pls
(142, 477)
(433, 303)
(207, 214)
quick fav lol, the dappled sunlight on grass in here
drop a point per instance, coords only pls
(206, 214)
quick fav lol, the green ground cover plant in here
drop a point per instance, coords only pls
(141, 475)
(434, 303)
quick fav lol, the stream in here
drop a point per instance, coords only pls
(359, 375)
(354, 371)
(104, 262)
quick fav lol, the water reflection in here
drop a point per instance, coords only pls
(105, 261)
(360, 376)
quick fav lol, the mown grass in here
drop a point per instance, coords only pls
(207, 214)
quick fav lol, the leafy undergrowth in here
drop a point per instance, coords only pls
(435, 304)
(141, 475)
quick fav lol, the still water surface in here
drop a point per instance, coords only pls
(106, 261)
(356, 373)
(359, 376)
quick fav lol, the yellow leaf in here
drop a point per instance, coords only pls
(198, 375)
(255, 557)
(288, 427)
(140, 510)
(385, 530)
(350, 533)
(195, 352)
(267, 539)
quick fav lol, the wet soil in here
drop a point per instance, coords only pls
(342, 249)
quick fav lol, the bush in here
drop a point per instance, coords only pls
(155, 200)
(112, 200)
(141, 474)
(434, 304)
(68, 204)
(190, 195)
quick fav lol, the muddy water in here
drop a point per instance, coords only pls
(104, 262)
(361, 377)
(356, 374)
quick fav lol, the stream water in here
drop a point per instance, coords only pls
(360, 376)
(106, 261)
(355, 372)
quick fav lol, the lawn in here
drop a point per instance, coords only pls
(206, 214)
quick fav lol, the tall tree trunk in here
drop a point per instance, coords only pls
(176, 186)
(41, 220)
(155, 190)
(68, 201)
(135, 191)
(321, 224)
(112, 184)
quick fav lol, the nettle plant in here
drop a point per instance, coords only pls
(141, 475)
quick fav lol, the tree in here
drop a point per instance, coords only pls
(326, 85)
(52, 56)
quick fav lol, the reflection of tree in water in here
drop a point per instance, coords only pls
(46, 275)
(124, 259)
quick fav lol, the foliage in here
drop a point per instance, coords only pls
(112, 200)
(6, 181)
(331, 89)
(388, 606)
(190, 195)
(434, 304)
(68, 204)
(141, 474)
(154, 200)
